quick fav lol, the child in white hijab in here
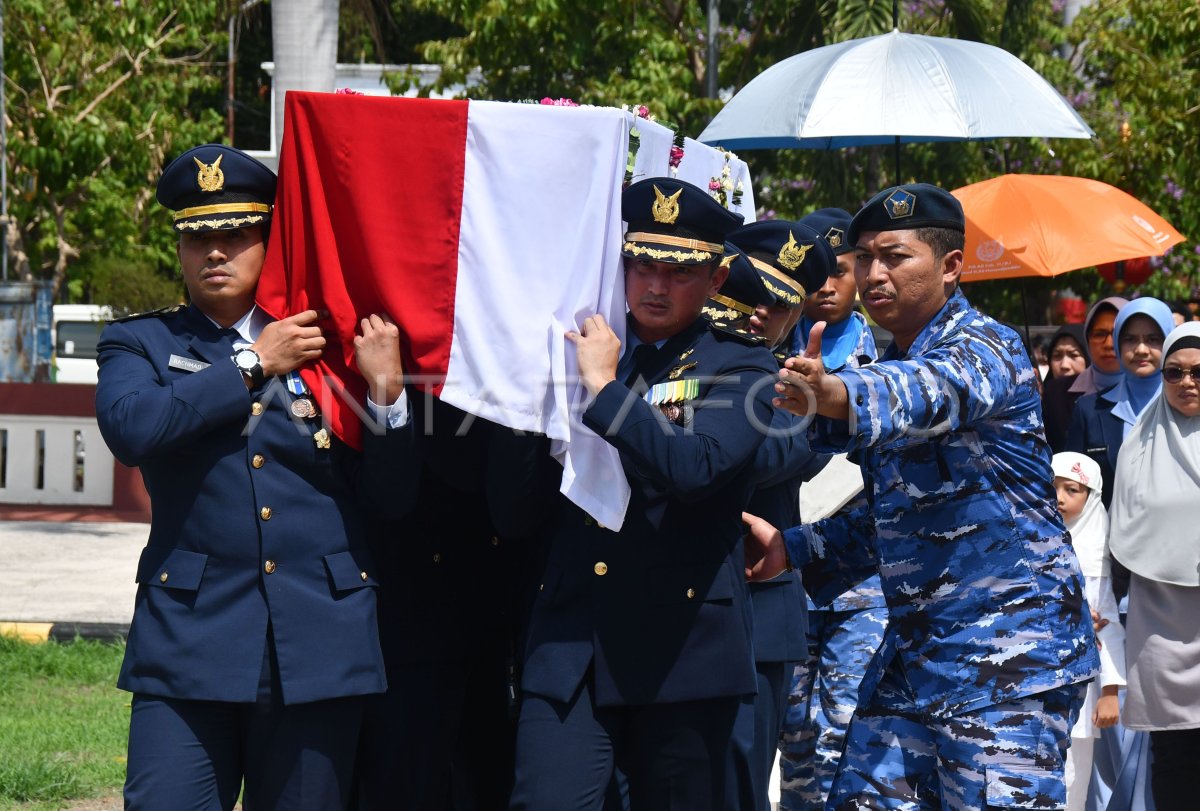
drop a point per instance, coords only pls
(1077, 480)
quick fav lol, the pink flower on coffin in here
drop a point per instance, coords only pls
(345, 91)
(676, 157)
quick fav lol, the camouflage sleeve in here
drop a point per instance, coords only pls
(836, 553)
(897, 403)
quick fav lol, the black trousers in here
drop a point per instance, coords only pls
(673, 756)
(1173, 771)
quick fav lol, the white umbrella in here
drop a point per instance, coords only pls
(893, 88)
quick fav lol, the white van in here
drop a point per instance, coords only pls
(76, 332)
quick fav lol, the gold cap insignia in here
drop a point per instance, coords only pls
(835, 237)
(665, 209)
(727, 260)
(210, 178)
(900, 204)
(791, 255)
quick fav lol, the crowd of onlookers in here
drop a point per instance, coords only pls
(1121, 399)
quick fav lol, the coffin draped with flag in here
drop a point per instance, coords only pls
(486, 230)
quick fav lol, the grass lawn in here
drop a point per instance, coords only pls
(63, 723)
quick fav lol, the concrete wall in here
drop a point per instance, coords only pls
(52, 454)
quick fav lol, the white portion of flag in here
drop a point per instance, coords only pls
(539, 251)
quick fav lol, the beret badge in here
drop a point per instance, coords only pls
(665, 209)
(900, 204)
(210, 177)
(835, 237)
(791, 255)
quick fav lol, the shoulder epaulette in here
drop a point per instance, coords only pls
(724, 330)
(159, 313)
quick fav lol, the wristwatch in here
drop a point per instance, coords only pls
(250, 365)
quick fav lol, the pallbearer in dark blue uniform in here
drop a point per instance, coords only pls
(640, 645)
(253, 639)
(777, 263)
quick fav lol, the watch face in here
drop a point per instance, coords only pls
(245, 358)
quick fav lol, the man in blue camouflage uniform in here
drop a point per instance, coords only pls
(772, 264)
(969, 701)
(843, 635)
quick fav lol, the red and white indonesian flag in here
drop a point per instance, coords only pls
(486, 230)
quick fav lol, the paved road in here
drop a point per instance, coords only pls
(69, 572)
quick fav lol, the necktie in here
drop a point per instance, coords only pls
(644, 357)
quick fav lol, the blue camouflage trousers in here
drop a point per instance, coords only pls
(824, 696)
(1007, 755)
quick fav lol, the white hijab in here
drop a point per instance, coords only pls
(1155, 531)
(1089, 531)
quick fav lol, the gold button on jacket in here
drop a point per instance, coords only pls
(265, 512)
(258, 461)
(601, 568)
(269, 567)
(256, 409)
(162, 578)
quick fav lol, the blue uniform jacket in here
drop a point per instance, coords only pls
(252, 522)
(985, 595)
(783, 462)
(660, 610)
(1096, 431)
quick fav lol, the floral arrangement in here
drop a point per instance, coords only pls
(722, 187)
(346, 91)
(676, 156)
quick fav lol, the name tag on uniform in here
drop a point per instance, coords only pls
(187, 364)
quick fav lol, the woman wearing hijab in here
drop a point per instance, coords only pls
(1077, 481)
(1156, 535)
(1060, 394)
(1101, 420)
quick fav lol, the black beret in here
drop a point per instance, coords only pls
(915, 205)
(834, 225)
(673, 221)
(216, 188)
(791, 258)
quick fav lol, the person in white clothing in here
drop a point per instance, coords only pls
(1078, 482)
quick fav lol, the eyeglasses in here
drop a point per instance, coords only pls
(1176, 374)
(1100, 335)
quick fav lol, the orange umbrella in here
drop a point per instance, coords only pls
(1044, 225)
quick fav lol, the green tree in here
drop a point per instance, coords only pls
(1129, 66)
(100, 94)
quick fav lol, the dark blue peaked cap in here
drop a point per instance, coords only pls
(791, 258)
(915, 205)
(834, 225)
(216, 188)
(673, 221)
(742, 291)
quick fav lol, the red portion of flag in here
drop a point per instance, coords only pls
(367, 221)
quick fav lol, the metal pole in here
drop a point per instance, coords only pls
(710, 77)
